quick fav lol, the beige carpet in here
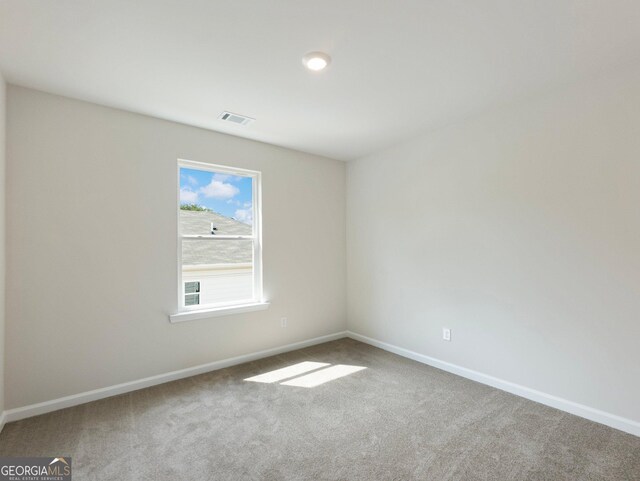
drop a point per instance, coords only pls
(395, 420)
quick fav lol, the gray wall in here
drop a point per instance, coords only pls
(92, 247)
(520, 231)
(2, 235)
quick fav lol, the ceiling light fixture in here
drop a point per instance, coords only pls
(316, 61)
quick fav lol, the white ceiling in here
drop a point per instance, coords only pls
(399, 67)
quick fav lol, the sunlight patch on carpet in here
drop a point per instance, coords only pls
(287, 372)
(324, 375)
(297, 374)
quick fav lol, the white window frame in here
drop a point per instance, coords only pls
(188, 313)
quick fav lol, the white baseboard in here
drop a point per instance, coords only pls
(88, 396)
(602, 417)
(617, 422)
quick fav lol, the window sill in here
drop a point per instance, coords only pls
(218, 311)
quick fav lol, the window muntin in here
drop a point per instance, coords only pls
(219, 236)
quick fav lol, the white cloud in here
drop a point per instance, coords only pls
(192, 180)
(188, 196)
(219, 190)
(226, 177)
(244, 215)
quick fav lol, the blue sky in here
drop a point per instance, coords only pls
(226, 194)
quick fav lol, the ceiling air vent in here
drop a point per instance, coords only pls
(235, 118)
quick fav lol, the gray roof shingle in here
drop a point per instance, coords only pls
(197, 252)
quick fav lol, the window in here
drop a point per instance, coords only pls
(192, 293)
(220, 254)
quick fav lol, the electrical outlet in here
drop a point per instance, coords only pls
(283, 322)
(446, 333)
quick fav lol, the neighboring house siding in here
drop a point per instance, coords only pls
(222, 285)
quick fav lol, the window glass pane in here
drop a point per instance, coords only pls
(215, 203)
(224, 269)
(191, 287)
